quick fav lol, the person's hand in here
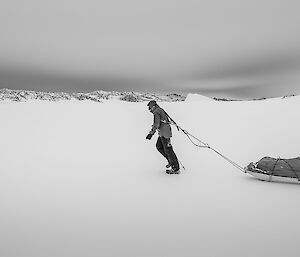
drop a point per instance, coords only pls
(149, 136)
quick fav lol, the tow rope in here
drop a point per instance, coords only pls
(197, 142)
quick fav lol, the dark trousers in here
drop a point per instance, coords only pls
(164, 146)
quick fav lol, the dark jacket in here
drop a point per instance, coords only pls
(161, 123)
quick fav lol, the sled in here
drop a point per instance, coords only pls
(276, 170)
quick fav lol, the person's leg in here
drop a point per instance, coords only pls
(169, 152)
(160, 148)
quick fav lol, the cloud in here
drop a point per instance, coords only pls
(41, 80)
(263, 74)
(251, 67)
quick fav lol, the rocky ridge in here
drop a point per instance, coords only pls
(95, 96)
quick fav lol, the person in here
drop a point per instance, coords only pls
(163, 145)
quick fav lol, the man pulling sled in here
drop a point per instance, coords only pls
(163, 145)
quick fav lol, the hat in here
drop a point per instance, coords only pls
(152, 103)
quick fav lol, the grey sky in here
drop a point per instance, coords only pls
(158, 45)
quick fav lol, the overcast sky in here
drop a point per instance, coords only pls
(243, 48)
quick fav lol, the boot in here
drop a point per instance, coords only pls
(173, 170)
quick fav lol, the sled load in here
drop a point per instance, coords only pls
(276, 169)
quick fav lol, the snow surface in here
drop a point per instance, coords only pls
(80, 179)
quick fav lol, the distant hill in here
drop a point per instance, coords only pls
(100, 96)
(96, 96)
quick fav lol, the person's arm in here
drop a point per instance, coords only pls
(155, 126)
(156, 123)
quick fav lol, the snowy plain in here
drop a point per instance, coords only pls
(80, 179)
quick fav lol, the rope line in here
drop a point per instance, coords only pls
(230, 161)
(204, 145)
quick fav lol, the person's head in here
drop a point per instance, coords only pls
(151, 105)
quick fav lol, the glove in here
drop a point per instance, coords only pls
(149, 136)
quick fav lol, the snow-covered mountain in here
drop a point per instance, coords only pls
(96, 96)
(197, 97)
(100, 96)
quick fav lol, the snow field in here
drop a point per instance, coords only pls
(80, 179)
